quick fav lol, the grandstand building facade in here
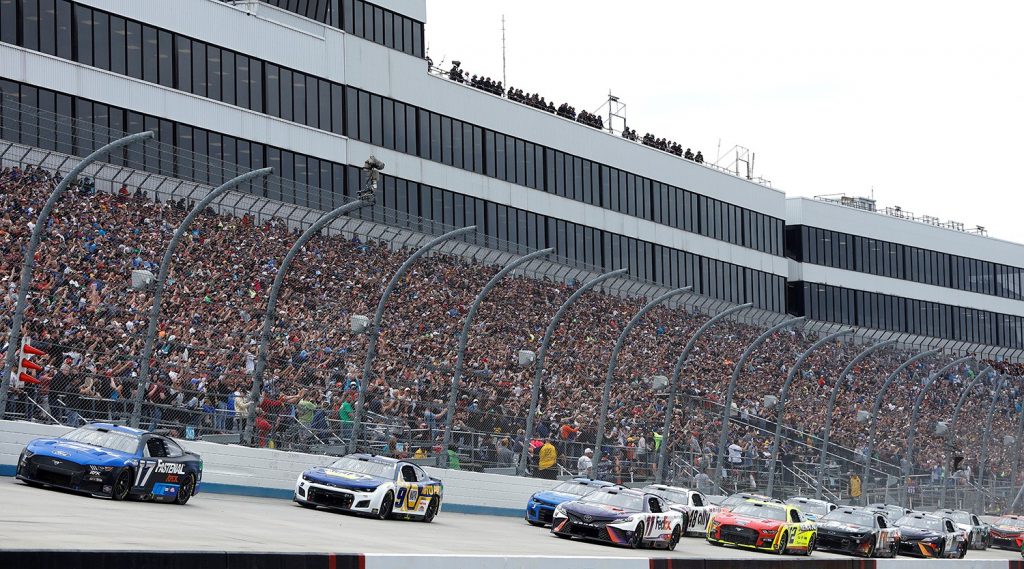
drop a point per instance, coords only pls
(313, 87)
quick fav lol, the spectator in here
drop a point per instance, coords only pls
(547, 464)
(585, 465)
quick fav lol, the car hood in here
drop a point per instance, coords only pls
(727, 517)
(78, 452)
(917, 533)
(343, 478)
(597, 511)
(1008, 529)
(553, 498)
(840, 527)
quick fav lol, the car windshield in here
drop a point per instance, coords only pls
(960, 517)
(735, 499)
(574, 488)
(377, 469)
(1018, 523)
(113, 440)
(760, 511)
(852, 518)
(810, 507)
(934, 524)
(631, 502)
(674, 496)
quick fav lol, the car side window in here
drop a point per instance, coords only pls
(794, 516)
(697, 500)
(881, 522)
(408, 473)
(975, 521)
(155, 448)
(173, 450)
(421, 474)
(654, 505)
(949, 525)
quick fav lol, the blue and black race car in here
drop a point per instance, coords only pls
(376, 485)
(113, 461)
(542, 504)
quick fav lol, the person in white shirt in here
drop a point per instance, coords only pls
(586, 463)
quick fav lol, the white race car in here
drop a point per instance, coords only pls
(373, 485)
(811, 508)
(621, 516)
(695, 507)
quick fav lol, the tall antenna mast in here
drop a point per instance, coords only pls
(504, 79)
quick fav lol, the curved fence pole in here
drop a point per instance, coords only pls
(271, 309)
(723, 434)
(161, 283)
(666, 429)
(951, 431)
(909, 463)
(832, 403)
(538, 372)
(606, 394)
(28, 263)
(1017, 449)
(373, 332)
(449, 419)
(984, 445)
(780, 407)
(878, 404)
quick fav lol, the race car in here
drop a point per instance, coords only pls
(112, 461)
(542, 504)
(1007, 532)
(620, 516)
(764, 526)
(694, 506)
(811, 508)
(926, 535)
(977, 531)
(742, 497)
(372, 485)
(891, 511)
(858, 532)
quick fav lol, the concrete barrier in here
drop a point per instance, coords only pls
(234, 469)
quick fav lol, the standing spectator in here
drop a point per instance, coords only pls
(585, 465)
(547, 463)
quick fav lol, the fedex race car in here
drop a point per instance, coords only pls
(542, 504)
(113, 461)
(374, 485)
(620, 516)
(1007, 532)
(764, 526)
(931, 536)
(858, 531)
(694, 506)
(977, 531)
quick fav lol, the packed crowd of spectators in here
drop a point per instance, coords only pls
(85, 313)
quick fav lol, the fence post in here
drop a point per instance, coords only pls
(951, 432)
(987, 437)
(464, 339)
(29, 262)
(268, 315)
(161, 282)
(538, 371)
(614, 359)
(374, 330)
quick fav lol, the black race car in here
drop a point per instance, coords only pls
(113, 461)
(925, 535)
(1007, 532)
(858, 532)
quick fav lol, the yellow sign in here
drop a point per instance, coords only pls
(854, 486)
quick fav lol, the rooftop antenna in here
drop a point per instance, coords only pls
(504, 79)
(616, 110)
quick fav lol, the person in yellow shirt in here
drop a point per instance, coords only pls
(546, 464)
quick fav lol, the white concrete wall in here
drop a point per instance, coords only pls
(265, 472)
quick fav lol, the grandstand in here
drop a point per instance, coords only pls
(601, 201)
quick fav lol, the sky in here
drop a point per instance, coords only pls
(920, 102)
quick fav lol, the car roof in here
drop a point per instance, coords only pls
(116, 428)
(668, 488)
(772, 505)
(922, 516)
(374, 458)
(808, 501)
(590, 482)
(623, 490)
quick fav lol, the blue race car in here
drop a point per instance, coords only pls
(542, 505)
(113, 461)
(375, 485)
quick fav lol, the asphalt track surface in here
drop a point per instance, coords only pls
(32, 518)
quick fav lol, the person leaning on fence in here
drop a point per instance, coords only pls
(547, 463)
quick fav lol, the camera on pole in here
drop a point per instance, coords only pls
(372, 166)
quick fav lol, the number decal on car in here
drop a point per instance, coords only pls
(146, 468)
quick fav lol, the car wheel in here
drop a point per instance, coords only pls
(871, 550)
(428, 516)
(674, 540)
(387, 505)
(783, 543)
(185, 490)
(636, 541)
(122, 485)
(810, 544)
(963, 551)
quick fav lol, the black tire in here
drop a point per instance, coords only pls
(387, 505)
(963, 551)
(871, 550)
(122, 486)
(674, 540)
(895, 550)
(810, 545)
(185, 490)
(636, 541)
(783, 543)
(431, 512)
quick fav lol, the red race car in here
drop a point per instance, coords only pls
(778, 528)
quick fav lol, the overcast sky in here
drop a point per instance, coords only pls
(923, 101)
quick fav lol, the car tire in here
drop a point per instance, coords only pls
(783, 543)
(674, 540)
(122, 486)
(387, 505)
(810, 545)
(963, 551)
(431, 512)
(636, 541)
(185, 490)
